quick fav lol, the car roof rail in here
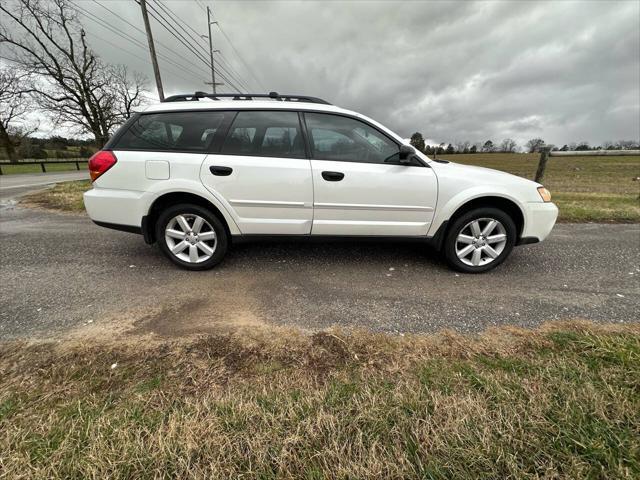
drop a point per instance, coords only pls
(244, 96)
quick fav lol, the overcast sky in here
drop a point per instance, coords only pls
(564, 71)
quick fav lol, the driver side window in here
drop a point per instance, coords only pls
(333, 137)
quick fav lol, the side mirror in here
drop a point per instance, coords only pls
(405, 152)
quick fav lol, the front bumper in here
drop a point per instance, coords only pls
(539, 221)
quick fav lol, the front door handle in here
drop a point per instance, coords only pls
(220, 171)
(332, 176)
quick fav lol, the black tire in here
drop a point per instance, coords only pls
(459, 224)
(221, 241)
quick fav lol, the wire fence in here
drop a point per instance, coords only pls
(545, 154)
(43, 163)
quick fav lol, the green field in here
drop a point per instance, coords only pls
(9, 169)
(586, 189)
(560, 402)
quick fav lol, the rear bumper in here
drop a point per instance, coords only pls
(108, 207)
(539, 221)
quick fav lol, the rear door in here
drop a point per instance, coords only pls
(262, 174)
(360, 188)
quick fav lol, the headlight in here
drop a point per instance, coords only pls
(544, 194)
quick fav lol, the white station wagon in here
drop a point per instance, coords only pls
(198, 171)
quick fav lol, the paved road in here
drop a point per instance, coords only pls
(13, 186)
(61, 271)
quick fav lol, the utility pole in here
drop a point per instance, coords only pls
(211, 50)
(152, 50)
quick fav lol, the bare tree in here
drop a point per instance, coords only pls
(508, 145)
(128, 91)
(69, 81)
(463, 147)
(15, 104)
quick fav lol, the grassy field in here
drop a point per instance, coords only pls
(559, 402)
(65, 197)
(596, 189)
(10, 169)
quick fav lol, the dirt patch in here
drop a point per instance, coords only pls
(193, 315)
(224, 309)
(65, 197)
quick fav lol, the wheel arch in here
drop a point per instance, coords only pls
(173, 198)
(505, 204)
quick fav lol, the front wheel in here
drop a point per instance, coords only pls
(480, 240)
(191, 236)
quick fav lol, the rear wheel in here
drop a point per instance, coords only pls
(480, 240)
(191, 236)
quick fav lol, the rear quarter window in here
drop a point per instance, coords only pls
(175, 131)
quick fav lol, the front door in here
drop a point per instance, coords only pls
(262, 174)
(359, 186)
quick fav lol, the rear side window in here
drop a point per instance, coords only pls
(265, 134)
(179, 131)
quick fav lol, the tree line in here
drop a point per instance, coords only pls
(509, 145)
(54, 147)
(54, 70)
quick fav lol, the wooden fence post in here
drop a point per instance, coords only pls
(542, 165)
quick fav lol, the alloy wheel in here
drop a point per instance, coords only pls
(481, 241)
(190, 238)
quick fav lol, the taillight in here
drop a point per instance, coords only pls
(100, 162)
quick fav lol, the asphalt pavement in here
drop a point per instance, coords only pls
(59, 272)
(14, 186)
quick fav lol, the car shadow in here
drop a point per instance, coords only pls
(334, 251)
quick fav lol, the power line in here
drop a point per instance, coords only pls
(169, 11)
(131, 39)
(144, 33)
(178, 36)
(199, 2)
(229, 66)
(119, 47)
(197, 39)
(229, 71)
(170, 14)
(240, 57)
(174, 32)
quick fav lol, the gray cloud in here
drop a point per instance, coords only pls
(564, 71)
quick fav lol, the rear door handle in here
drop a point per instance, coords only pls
(220, 171)
(332, 176)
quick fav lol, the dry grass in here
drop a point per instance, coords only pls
(559, 402)
(65, 197)
(596, 189)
